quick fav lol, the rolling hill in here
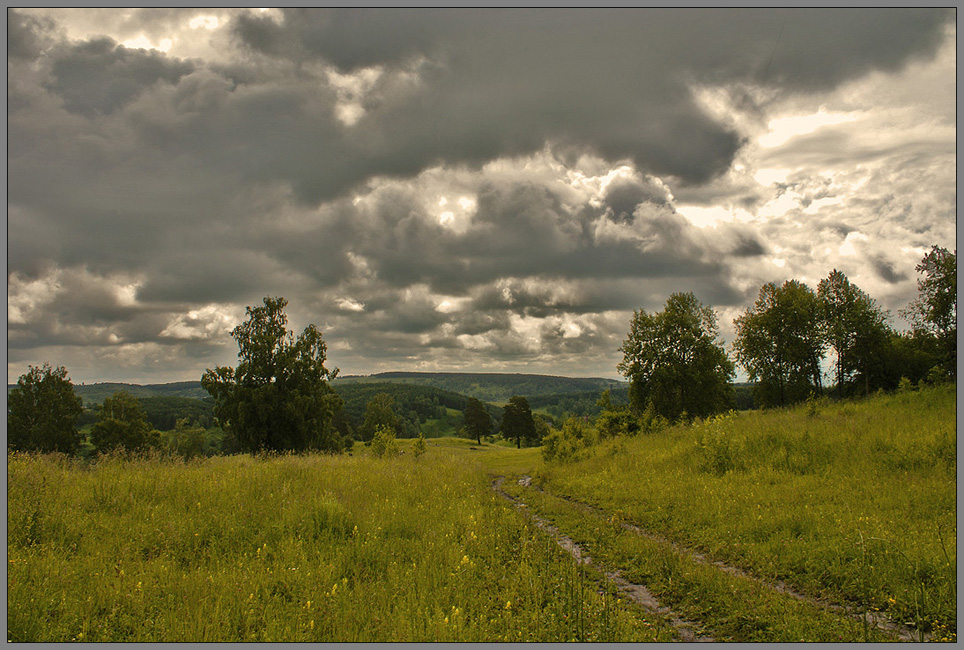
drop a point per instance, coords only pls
(496, 388)
(95, 393)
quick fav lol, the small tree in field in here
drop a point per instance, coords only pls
(384, 443)
(419, 447)
(186, 440)
(42, 412)
(122, 424)
(478, 422)
(278, 398)
(379, 412)
(517, 422)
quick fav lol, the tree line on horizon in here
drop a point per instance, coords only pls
(279, 396)
(678, 367)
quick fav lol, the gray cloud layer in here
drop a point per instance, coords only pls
(324, 156)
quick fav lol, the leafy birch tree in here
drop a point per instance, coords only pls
(855, 328)
(42, 412)
(935, 309)
(278, 398)
(779, 343)
(675, 361)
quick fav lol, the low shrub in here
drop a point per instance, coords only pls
(563, 445)
(384, 443)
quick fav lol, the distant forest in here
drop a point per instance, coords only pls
(431, 403)
(496, 388)
(420, 398)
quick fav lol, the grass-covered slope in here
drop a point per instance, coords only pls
(852, 501)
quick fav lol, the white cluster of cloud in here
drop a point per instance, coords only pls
(456, 190)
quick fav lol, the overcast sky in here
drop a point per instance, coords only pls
(488, 190)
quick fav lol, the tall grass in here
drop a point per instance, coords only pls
(855, 501)
(289, 548)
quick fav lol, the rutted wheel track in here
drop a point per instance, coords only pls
(642, 595)
(687, 630)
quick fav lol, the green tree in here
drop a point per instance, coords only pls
(384, 443)
(779, 343)
(543, 427)
(935, 309)
(675, 361)
(42, 412)
(278, 398)
(855, 328)
(379, 412)
(911, 356)
(419, 447)
(122, 424)
(186, 440)
(478, 422)
(517, 422)
(562, 445)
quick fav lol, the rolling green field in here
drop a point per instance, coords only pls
(849, 504)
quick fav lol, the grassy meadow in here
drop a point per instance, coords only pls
(848, 503)
(289, 548)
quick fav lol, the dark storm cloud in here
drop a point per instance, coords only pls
(357, 38)
(518, 230)
(480, 322)
(100, 76)
(411, 312)
(818, 50)
(504, 82)
(87, 309)
(803, 48)
(623, 195)
(27, 36)
(153, 185)
(748, 246)
(215, 275)
(886, 272)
